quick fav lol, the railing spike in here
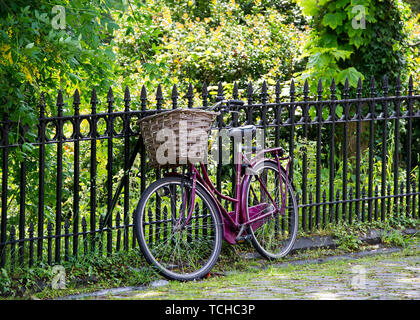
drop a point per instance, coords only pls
(398, 86)
(159, 95)
(250, 89)
(220, 95)
(292, 88)
(320, 89)
(127, 97)
(278, 88)
(42, 104)
(235, 93)
(204, 94)
(306, 89)
(410, 85)
(174, 93)
(359, 88)
(76, 97)
(110, 95)
(332, 88)
(372, 86)
(143, 93)
(60, 101)
(190, 95)
(385, 85)
(93, 97)
(346, 87)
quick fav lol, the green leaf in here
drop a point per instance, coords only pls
(341, 54)
(357, 41)
(352, 74)
(332, 20)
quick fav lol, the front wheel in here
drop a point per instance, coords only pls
(180, 251)
(274, 236)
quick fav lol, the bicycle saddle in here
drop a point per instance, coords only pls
(241, 131)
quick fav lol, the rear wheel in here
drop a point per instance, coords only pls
(274, 236)
(179, 251)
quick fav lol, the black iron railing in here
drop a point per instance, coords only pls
(356, 159)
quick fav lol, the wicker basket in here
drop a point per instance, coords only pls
(182, 135)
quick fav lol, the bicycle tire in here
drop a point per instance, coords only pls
(280, 239)
(198, 244)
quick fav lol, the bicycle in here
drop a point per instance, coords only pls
(180, 221)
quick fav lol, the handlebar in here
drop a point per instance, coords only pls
(227, 103)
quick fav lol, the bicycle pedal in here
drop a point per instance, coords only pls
(243, 239)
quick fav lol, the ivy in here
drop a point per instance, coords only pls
(353, 38)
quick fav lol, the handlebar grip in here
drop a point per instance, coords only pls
(227, 103)
(237, 102)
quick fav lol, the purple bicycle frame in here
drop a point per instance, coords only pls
(234, 220)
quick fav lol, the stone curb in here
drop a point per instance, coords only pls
(373, 236)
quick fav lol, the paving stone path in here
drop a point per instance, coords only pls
(384, 276)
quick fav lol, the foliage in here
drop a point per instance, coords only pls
(347, 237)
(352, 39)
(91, 271)
(38, 55)
(225, 44)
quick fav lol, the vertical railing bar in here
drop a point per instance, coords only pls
(117, 225)
(401, 206)
(93, 169)
(219, 97)
(388, 205)
(385, 116)
(66, 240)
(332, 117)
(304, 156)
(110, 129)
(310, 217)
(324, 209)
(41, 175)
(363, 203)
(143, 103)
(59, 183)
(409, 142)
(31, 244)
(358, 143)
(165, 217)
(12, 248)
(346, 107)
(292, 126)
(397, 114)
(126, 131)
(85, 241)
(350, 217)
(159, 99)
(371, 117)
(234, 123)
(319, 120)
(76, 186)
(22, 207)
(250, 108)
(49, 243)
(337, 206)
(190, 96)
(376, 203)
